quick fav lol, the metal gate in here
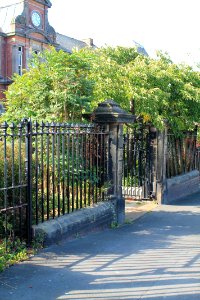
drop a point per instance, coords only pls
(138, 169)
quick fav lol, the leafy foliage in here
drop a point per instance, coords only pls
(156, 89)
(54, 88)
(11, 252)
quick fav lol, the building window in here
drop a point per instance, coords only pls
(36, 52)
(20, 60)
(32, 57)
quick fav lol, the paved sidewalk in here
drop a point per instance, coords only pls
(137, 208)
(155, 257)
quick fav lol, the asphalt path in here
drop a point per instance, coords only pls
(155, 257)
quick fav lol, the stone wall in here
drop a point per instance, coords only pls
(181, 186)
(75, 224)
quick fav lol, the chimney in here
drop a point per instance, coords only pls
(89, 42)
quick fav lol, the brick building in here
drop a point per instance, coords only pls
(25, 29)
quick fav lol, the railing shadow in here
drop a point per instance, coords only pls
(156, 257)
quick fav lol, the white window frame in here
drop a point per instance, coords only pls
(20, 57)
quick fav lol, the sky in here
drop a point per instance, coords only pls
(169, 25)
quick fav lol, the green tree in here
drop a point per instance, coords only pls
(59, 86)
(54, 88)
(156, 89)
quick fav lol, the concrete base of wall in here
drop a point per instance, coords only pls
(181, 186)
(79, 222)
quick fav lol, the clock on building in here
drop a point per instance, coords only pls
(36, 18)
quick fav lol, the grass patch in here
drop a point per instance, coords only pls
(14, 252)
(114, 225)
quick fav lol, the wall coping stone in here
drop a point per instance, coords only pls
(180, 186)
(99, 216)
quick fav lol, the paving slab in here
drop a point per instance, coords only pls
(155, 257)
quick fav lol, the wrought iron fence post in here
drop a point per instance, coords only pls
(110, 115)
(5, 128)
(29, 179)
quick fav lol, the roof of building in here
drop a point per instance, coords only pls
(130, 44)
(140, 48)
(45, 2)
(67, 43)
(8, 12)
(11, 9)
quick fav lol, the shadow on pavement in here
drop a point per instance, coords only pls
(156, 257)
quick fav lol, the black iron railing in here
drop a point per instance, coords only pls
(13, 181)
(48, 170)
(181, 153)
(197, 159)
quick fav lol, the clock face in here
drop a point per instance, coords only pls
(36, 19)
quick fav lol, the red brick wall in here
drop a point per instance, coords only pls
(35, 39)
